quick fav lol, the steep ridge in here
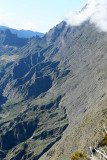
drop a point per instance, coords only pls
(83, 49)
(7, 38)
(58, 80)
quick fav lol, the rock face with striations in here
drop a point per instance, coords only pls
(54, 95)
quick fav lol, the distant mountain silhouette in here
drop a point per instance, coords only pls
(23, 33)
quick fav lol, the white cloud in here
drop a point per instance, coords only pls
(95, 12)
(29, 26)
(13, 21)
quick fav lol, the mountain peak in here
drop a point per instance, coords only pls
(94, 12)
(8, 38)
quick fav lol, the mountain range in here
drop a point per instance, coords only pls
(53, 92)
(23, 33)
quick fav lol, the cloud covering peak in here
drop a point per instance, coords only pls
(95, 11)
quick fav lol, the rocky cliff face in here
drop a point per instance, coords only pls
(7, 38)
(53, 95)
(83, 49)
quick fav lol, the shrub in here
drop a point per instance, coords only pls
(104, 142)
(78, 156)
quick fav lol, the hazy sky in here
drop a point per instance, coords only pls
(38, 15)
